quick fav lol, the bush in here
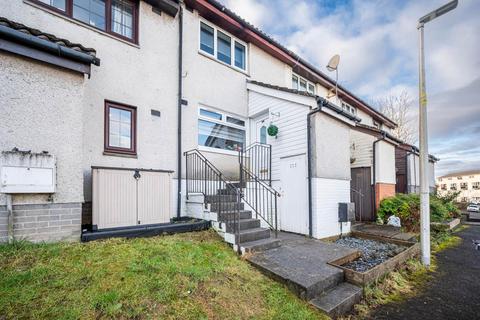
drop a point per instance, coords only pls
(407, 208)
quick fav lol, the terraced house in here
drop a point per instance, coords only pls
(122, 114)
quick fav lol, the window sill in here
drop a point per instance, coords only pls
(122, 155)
(219, 151)
(209, 56)
(84, 25)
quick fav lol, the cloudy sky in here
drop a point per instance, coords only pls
(377, 41)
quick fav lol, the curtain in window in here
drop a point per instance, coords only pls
(122, 18)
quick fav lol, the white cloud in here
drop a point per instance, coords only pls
(378, 44)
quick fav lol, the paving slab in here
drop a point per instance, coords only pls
(302, 264)
(383, 231)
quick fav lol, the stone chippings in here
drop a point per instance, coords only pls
(373, 252)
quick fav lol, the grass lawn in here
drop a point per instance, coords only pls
(185, 276)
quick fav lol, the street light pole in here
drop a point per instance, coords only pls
(422, 101)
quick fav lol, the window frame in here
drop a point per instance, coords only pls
(233, 39)
(223, 122)
(307, 82)
(108, 18)
(133, 129)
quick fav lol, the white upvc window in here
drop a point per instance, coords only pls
(476, 185)
(348, 108)
(220, 130)
(302, 84)
(222, 46)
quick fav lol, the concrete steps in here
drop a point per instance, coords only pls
(245, 224)
(259, 245)
(338, 300)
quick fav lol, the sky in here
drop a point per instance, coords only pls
(377, 42)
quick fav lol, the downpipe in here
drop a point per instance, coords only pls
(309, 166)
(179, 111)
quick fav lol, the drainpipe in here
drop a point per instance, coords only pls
(179, 111)
(309, 166)
(10, 218)
(384, 135)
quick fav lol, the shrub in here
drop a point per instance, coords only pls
(407, 208)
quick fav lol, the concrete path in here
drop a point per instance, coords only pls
(302, 264)
(454, 291)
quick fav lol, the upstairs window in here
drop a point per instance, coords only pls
(120, 128)
(240, 55)
(453, 186)
(206, 38)
(476, 185)
(57, 4)
(444, 187)
(223, 47)
(301, 84)
(464, 186)
(459, 178)
(116, 17)
(220, 131)
(92, 12)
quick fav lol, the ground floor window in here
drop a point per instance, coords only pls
(220, 131)
(120, 128)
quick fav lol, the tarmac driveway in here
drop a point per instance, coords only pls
(454, 291)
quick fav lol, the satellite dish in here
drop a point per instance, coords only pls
(333, 63)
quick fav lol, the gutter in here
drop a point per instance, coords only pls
(309, 164)
(179, 111)
(47, 46)
(384, 135)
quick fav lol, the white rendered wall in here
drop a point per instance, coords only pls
(328, 193)
(41, 110)
(144, 76)
(385, 163)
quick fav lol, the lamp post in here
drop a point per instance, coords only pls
(422, 100)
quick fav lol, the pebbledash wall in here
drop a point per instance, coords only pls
(42, 109)
(63, 112)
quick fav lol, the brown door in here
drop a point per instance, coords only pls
(361, 194)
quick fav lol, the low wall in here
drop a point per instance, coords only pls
(43, 222)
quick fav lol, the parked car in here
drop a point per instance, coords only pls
(473, 207)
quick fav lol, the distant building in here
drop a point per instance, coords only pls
(467, 182)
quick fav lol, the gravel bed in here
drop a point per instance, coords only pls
(373, 252)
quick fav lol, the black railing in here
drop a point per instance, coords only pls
(256, 179)
(224, 197)
(261, 197)
(257, 158)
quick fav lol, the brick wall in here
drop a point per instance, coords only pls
(43, 222)
(382, 191)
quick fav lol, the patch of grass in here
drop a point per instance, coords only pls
(185, 276)
(406, 282)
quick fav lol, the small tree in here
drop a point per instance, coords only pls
(397, 108)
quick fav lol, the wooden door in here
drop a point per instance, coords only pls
(361, 194)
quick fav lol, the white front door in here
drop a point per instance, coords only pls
(294, 194)
(260, 127)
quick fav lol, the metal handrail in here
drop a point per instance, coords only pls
(261, 197)
(203, 177)
(258, 158)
